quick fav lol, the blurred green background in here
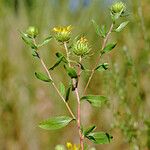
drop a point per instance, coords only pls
(25, 101)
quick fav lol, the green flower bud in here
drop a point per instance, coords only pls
(81, 47)
(32, 32)
(118, 7)
(62, 34)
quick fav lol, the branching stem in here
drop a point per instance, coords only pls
(78, 99)
(54, 85)
(98, 59)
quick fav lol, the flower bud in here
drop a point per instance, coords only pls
(62, 34)
(118, 7)
(81, 47)
(32, 32)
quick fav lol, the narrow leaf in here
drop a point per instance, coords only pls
(67, 94)
(122, 26)
(55, 123)
(89, 130)
(47, 40)
(28, 40)
(59, 60)
(102, 67)
(100, 137)
(62, 88)
(71, 72)
(109, 47)
(42, 77)
(58, 55)
(95, 100)
(100, 30)
(97, 28)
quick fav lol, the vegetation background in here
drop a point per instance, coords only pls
(25, 101)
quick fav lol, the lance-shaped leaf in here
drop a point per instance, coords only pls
(46, 41)
(67, 94)
(42, 77)
(100, 137)
(62, 88)
(28, 40)
(55, 123)
(59, 60)
(95, 100)
(122, 26)
(58, 55)
(71, 72)
(100, 30)
(89, 130)
(102, 67)
(109, 47)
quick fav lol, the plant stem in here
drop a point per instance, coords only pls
(54, 85)
(78, 99)
(98, 59)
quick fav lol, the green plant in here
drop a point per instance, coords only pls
(76, 51)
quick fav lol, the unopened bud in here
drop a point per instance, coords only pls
(32, 32)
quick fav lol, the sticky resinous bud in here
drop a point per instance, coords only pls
(32, 32)
(81, 47)
(117, 9)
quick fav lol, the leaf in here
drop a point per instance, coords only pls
(62, 88)
(55, 123)
(47, 40)
(34, 53)
(95, 100)
(67, 94)
(58, 55)
(100, 30)
(59, 60)
(109, 47)
(28, 40)
(89, 130)
(122, 26)
(42, 77)
(100, 137)
(71, 72)
(102, 67)
(82, 67)
(97, 28)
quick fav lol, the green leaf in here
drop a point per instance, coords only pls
(71, 72)
(109, 47)
(62, 88)
(100, 137)
(34, 53)
(89, 130)
(42, 77)
(47, 40)
(102, 67)
(67, 94)
(95, 100)
(28, 40)
(97, 28)
(100, 30)
(122, 26)
(58, 55)
(59, 60)
(55, 123)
